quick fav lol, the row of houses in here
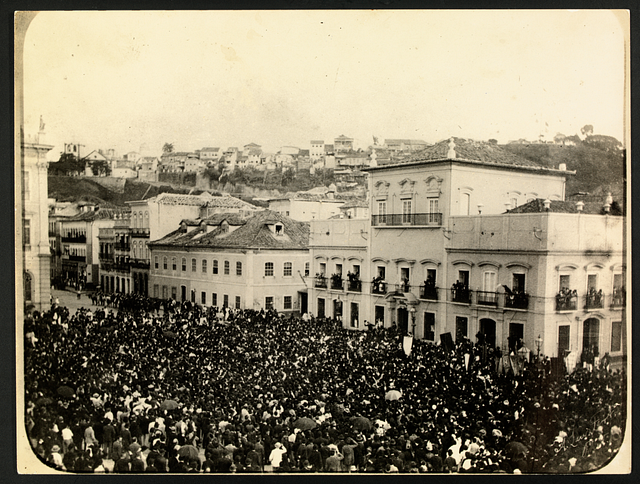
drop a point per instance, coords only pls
(457, 238)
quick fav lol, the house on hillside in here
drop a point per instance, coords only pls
(306, 206)
(343, 143)
(317, 149)
(208, 154)
(227, 260)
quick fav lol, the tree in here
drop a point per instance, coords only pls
(101, 167)
(587, 130)
(604, 143)
(68, 164)
(493, 141)
(167, 148)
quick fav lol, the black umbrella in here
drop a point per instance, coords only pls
(189, 451)
(361, 423)
(170, 334)
(66, 391)
(305, 423)
(44, 401)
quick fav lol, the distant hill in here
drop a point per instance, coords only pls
(74, 189)
(595, 168)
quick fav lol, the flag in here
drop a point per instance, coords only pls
(406, 344)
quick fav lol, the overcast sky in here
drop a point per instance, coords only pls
(135, 80)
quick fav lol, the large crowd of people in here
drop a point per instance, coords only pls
(175, 387)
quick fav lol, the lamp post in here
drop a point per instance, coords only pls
(538, 345)
(413, 321)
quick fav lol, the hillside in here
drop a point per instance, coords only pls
(595, 168)
(66, 188)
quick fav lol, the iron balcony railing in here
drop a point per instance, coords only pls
(337, 283)
(461, 295)
(594, 301)
(566, 302)
(78, 239)
(487, 298)
(399, 219)
(429, 292)
(403, 287)
(378, 287)
(140, 232)
(140, 263)
(516, 301)
(354, 286)
(321, 282)
(78, 258)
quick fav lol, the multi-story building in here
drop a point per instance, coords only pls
(343, 143)
(405, 145)
(80, 244)
(228, 260)
(317, 149)
(306, 206)
(549, 273)
(429, 276)
(58, 211)
(210, 154)
(32, 268)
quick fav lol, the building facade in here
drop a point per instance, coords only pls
(227, 260)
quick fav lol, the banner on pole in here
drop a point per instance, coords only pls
(407, 344)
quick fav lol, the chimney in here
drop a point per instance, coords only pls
(547, 204)
(451, 154)
(562, 167)
(580, 206)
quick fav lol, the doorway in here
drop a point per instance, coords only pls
(488, 330)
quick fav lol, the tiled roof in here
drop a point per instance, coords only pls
(100, 214)
(208, 148)
(558, 206)
(181, 199)
(406, 141)
(317, 142)
(227, 201)
(252, 232)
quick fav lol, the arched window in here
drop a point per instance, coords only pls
(164, 263)
(135, 220)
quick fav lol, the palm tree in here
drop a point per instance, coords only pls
(167, 148)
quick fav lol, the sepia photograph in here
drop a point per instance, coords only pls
(344, 242)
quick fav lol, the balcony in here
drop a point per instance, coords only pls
(77, 239)
(594, 300)
(516, 301)
(140, 232)
(403, 287)
(122, 246)
(566, 300)
(140, 263)
(337, 282)
(461, 294)
(321, 281)
(487, 298)
(403, 219)
(619, 297)
(78, 258)
(429, 292)
(354, 285)
(378, 287)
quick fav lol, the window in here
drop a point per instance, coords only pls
(155, 290)
(382, 211)
(26, 232)
(323, 268)
(203, 298)
(288, 269)
(135, 220)
(465, 203)
(287, 302)
(381, 272)
(433, 210)
(25, 185)
(173, 263)
(268, 269)
(379, 315)
(565, 282)
(193, 295)
(489, 281)
(214, 299)
(226, 268)
(513, 202)
(616, 336)
(215, 266)
(183, 293)
(563, 340)
(461, 328)
(225, 300)
(184, 264)
(164, 263)
(339, 269)
(321, 308)
(174, 292)
(429, 326)
(518, 283)
(194, 265)
(279, 229)
(204, 266)
(165, 291)
(592, 283)
(406, 211)
(238, 268)
(354, 315)
(306, 268)
(463, 278)
(268, 302)
(238, 302)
